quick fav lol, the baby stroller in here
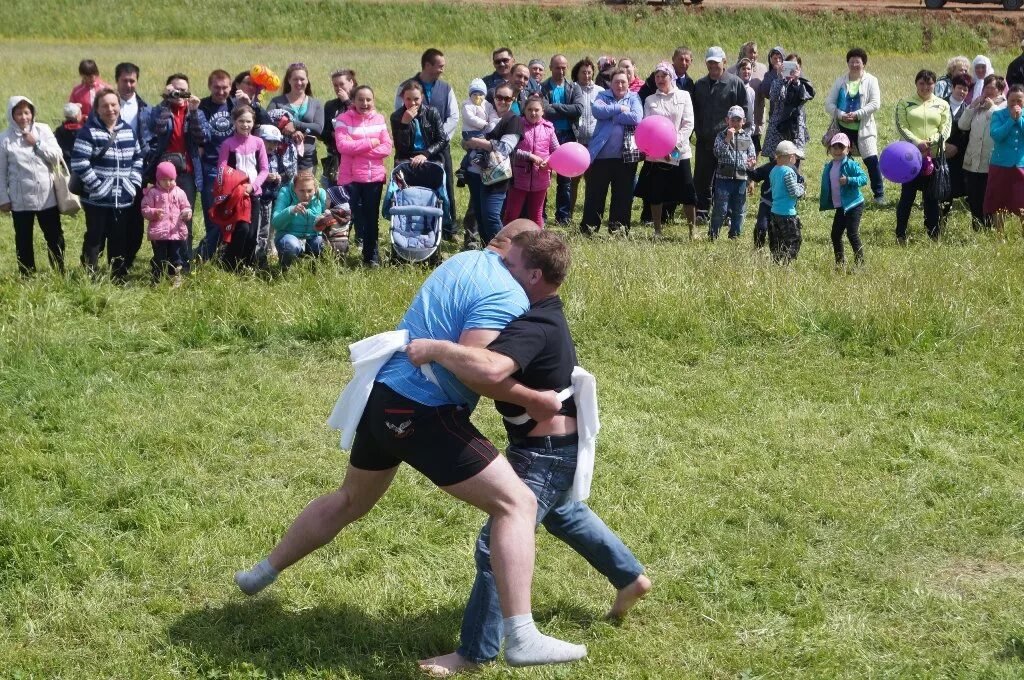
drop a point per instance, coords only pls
(416, 202)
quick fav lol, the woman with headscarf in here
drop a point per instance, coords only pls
(982, 68)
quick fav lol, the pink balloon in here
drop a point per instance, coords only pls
(656, 136)
(570, 160)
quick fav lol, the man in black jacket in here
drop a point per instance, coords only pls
(563, 106)
(713, 95)
(1015, 71)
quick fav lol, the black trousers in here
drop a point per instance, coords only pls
(705, 164)
(49, 224)
(908, 192)
(977, 182)
(784, 237)
(107, 227)
(168, 258)
(847, 221)
(605, 173)
(242, 248)
(448, 226)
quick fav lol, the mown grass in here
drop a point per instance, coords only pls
(821, 471)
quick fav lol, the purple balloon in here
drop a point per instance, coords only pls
(900, 162)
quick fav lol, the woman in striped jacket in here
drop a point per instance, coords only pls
(108, 159)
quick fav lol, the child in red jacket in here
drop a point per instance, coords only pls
(530, 174)
(166, 208)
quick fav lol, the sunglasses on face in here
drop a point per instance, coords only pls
(502, 98)
(501, 61)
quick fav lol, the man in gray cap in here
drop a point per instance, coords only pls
(713, 95)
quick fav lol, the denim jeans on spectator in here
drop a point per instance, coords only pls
(290, 248)
(731, 195)
(487, 203)
(549, 473)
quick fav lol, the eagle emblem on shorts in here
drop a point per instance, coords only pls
(400, 429)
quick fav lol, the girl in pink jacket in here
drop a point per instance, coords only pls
(166, 208)
(361, 135)
(530, 174)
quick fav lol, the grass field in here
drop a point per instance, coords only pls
(821, 471)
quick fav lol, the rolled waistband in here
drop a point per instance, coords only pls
(554, 441)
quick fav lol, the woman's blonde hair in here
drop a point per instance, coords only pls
(302, 177)
(961, 61)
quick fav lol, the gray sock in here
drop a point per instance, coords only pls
(527, 646)
(256, 579)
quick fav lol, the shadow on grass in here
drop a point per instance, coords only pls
(261, 637)
(1013, 650)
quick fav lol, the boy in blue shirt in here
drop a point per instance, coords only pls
(784, 236)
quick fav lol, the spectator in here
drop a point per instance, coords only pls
(304, 111)
(440, 96)
(615, 110)
(682, 58)
(788, 120)
(841, 180)
(1005, 190)
(605, 65)
(744, 71)
(297, 210)
(713, 96)
(956, 66)
(785, 233)
(531, 176)
(976, 120)
(28, 154)
(734, 151)
(775, 58)
(1015, 71)
(177, 131)
(85, 92)
(247, 153)
(361, 135)
(138, 114)
(344, 82)
(583, 75)
(518, 80)
(167, 210)
(758, 71)
(248, 93)
(282, 166)
(536, 67)
(417, 128)
(954, 146)
(634, 83)
(503, 61)
(923, 120)
(982, 68)
(853, 101)
(564, 105)
(668, 180)
(487, 200)
(67, 131)
(108, 159)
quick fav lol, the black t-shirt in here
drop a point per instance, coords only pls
(541, 345)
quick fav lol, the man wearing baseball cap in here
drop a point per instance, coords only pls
(713, 95)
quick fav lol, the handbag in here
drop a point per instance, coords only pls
(67, 202)
(630, 152)
(832, 131)
(940, 186)
(499, 169)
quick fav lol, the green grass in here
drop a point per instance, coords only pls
(821, 471)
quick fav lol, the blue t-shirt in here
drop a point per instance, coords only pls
(558, 97)
(782, 202)
(472, 290)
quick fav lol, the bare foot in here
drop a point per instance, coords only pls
(629, 596)
(447, 665)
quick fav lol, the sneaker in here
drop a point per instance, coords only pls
(880, 200)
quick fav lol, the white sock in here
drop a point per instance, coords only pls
(256, 579)
(527, 646)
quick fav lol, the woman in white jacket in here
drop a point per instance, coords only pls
(853, 101)
(668, 179)
(28, 151)
(977, 119)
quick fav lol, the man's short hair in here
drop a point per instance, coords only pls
(546, 251)
(430, 56)
(500, 50)
(680, 51)
(125, 67)
(518, 66)
(176, 76)
(217, 74)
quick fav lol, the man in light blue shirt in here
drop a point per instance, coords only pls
(410, 418)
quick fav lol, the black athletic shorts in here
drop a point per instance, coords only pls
(439, 441)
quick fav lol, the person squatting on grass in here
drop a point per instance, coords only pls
(425, 422)
(297, 211)
(536, 349)
(841, 180)
(784, 229)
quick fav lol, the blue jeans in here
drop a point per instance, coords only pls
(207, 247)
(549, 472)
(289, 247)
(487, 203)
(730, 194)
